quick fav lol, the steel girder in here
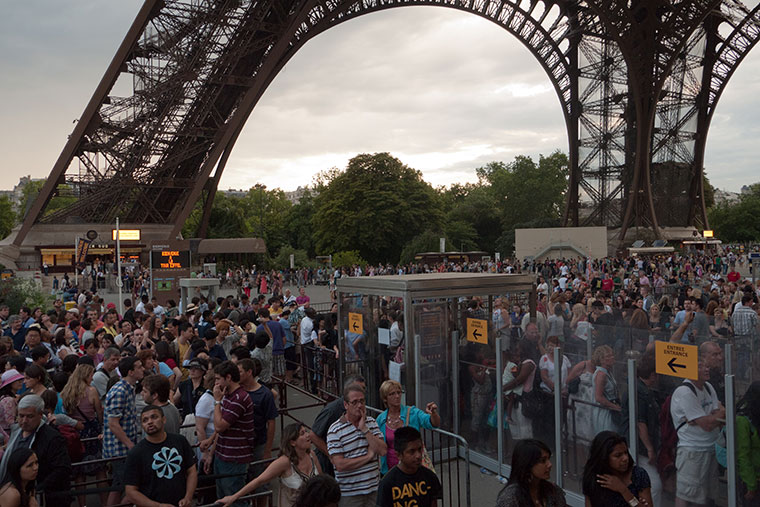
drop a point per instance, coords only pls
(631, 77)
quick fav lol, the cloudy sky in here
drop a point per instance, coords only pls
(444, 91)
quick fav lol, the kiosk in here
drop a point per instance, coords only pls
(451, 328)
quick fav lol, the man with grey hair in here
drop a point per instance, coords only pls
(32, 431)
(16, 331)
(331, 413)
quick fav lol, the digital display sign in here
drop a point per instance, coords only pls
(171, 259)
(126, 234)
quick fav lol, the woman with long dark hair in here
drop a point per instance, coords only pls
(529, 483)
(294, 467)
(748, 444)
(319, 491)
(18, 490)
(610, 479)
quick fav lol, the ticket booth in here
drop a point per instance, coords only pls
(454, 327)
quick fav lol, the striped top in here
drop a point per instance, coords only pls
(346, 439)
(236, 444)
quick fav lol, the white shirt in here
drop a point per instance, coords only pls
(307, 328)
(545, 364)
(685, 406)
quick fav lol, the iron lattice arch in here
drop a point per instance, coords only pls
(157, 133)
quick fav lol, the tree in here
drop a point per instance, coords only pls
(375, 206)
(347, 259)
(428, 241)
(62, 198)
(227, 219)
(299, 229)
(473, 220)
(7, 216)
(282, 260)
(524, 191)
(266, 214)
(738, 222)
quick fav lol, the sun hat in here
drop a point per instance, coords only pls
(10, 377)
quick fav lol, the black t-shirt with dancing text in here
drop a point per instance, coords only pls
(398, 489)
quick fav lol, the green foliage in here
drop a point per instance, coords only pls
(375, 206)
(738, 222)
(523, 190)
(709, 192)
(282, 260)
(17, 292)
(266, 213)
(260, 213)
(428, 241)
(7, 216)
(298, 227)
(347, 259)
(227, 219)
(62, 198)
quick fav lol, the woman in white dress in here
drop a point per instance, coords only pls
(294, 467)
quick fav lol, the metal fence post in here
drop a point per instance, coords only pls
(558, 415)
(499, 406)
(633, 440)
(731, 439)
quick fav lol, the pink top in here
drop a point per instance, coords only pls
(390, 457)
(86, 408)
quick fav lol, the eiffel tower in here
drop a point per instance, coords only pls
(638, 82)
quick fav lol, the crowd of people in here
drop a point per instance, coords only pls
(167, 404)
(161, 408)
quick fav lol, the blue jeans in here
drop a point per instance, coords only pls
(230, 485)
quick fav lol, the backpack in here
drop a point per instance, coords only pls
(74, 444)
(666, 456)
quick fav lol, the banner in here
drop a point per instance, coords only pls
(83, 246)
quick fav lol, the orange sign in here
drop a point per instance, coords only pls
(477, 330)
(355, 323)
(677, 359)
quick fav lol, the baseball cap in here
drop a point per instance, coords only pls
(197, 363)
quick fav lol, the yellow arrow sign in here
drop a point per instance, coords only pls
(677, 359)
(355, 323)
(477, 330)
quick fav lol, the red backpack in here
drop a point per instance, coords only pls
(666, 456)
(73, 442)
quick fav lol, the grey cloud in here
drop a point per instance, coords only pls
(446, 90)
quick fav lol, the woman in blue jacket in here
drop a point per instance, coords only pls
(397, 416)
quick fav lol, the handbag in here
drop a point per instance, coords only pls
(91, 430)
(398, 357)
(532, 404)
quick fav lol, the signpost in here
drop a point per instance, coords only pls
(169, 262)
(677, 359)
(355, 323)
(754, 258)
(477, 330)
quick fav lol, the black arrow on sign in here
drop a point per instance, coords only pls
(673, 365)
(476, 335)
(356, 326)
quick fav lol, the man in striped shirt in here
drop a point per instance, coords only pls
(355, 442)
(235, 432)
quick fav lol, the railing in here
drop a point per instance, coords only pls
(449, 453)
